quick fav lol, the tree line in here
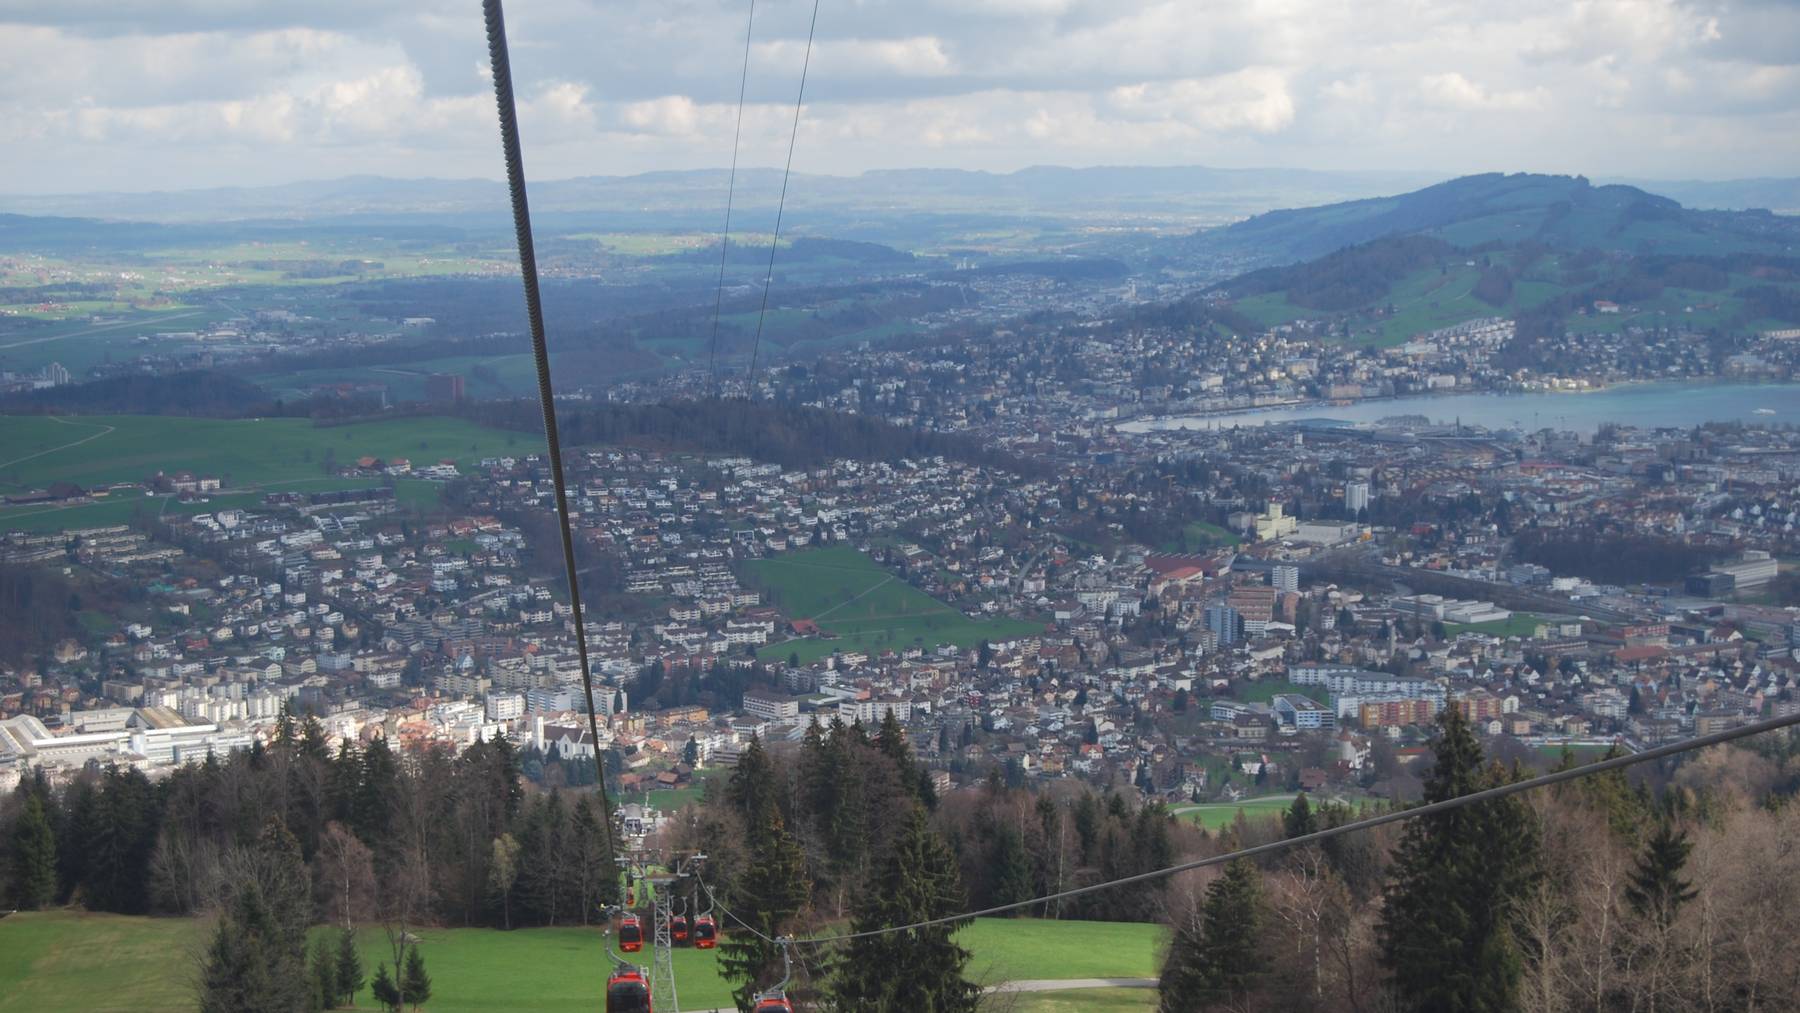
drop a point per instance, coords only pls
(788, 435)
(1595, 895)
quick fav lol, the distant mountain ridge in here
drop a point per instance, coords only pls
(1197, 192)
(1557, 211)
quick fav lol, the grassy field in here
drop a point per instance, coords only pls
(1518, 625)
(868, 608)
(62, 961)
(260, 453)
(1198, 536)
(1217, 817)
(673, 799)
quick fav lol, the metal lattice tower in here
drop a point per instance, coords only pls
(662, 967)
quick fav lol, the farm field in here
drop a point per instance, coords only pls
(868, 608)
(244, 452)
(59, 961)
(1216, 817)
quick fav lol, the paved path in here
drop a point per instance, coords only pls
(1067, 984)
(1037, 985)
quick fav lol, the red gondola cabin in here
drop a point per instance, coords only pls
(627, 991)
(706, 934)
(678, 929)
(631, 934)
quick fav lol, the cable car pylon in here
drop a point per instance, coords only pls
(662, 965)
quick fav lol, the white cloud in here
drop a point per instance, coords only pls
(140, 94)
(1454, 91)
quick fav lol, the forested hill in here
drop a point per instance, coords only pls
(1565, 212)
(203, 393)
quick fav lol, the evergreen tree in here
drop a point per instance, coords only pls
(75, 833)
(324, 992)
(891, 740)
(771, 891)
(690, 753)
(752, 789)
(126, 816)
(313, 745)
(1216, 956)
(342, 782)
(415, 989)
(1012, 868)
(348, 974)
(917, 970)
(1298, 820)
(286, 889)
(372, 809)
(1446, 925)
(33, 877)
(1657, 890)
(240, 972)
(383, 988)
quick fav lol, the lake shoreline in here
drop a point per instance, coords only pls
(1293, 411)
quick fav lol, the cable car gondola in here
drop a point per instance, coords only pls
(627, 991)
(678, 928)
(631, 934)
(775, 1000)
(705, 934)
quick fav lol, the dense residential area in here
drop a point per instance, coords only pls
(1241, 609)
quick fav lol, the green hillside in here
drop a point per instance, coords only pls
(53, 962)
(1389, 290)
(1563, 212)
(866, 607)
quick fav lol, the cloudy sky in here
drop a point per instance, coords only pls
(149, 94)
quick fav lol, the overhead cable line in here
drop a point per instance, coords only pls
(1430, 809)
(781, 204)
(515, 179)
(712, 356)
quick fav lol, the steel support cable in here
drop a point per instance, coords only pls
(781, 205)
(515, 180)
(1430, 809)
(712, 356)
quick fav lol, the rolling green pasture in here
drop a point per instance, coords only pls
(52, 962)
(851, 596)
(1429, 298)
(36, 450)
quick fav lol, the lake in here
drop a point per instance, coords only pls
(1680, 404)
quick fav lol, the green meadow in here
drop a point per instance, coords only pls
(865, 606)
(67, 962)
